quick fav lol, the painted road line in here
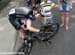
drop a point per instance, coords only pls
(4, 53)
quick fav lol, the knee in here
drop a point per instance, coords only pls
(62, 14)
(20, 30)
(67, 15)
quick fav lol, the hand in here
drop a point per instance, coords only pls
(71, 7)
(22, 26)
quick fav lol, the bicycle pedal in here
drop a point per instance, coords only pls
(25, 41)
(43, 39)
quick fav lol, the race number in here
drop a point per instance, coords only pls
(12, 11)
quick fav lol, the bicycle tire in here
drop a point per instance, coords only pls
(51, 29)
(57, 28)
(21, 49)
(25, 49)
(29, 48)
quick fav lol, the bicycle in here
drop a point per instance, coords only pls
(50, 30)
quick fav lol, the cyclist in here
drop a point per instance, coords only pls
(15, 17)
(64, 7)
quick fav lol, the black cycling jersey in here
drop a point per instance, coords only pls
(15, 16)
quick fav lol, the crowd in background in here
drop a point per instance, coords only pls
(64, 7)
(33, 2)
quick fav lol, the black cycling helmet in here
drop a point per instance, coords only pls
(21, 12)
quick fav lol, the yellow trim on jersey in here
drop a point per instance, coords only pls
(49, 15)
(48, 4)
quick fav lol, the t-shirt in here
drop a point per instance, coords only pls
(65, 2)
(46, 7)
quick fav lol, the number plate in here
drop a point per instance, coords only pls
(12, 11)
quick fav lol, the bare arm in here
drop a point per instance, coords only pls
(54, 6)
(59, 2)
(30, 28)
(71, 4)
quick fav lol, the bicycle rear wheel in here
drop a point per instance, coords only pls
(54, 28)
(51, 31)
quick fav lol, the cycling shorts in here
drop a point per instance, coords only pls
(64, 8)
(16, 21)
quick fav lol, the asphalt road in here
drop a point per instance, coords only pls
(62, 43)
(7, 32)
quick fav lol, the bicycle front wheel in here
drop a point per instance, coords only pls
(25, 49)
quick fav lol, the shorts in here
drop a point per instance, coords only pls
(64, 8)
(16, 22)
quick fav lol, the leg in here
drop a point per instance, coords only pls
(62, 19)
(21, 29)
(21, 33)
(67, 20)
